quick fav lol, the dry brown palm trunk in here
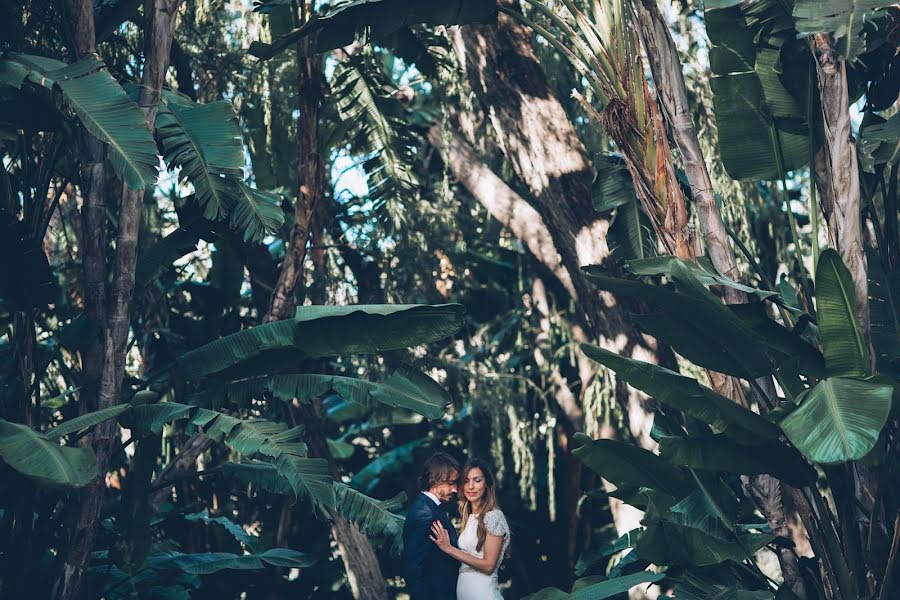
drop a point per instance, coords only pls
(842, 170)
(672, 94)
(159, 26)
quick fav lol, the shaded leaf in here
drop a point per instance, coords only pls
(43, 460)
(846, 354)
(839, 420)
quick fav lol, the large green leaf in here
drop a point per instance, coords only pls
(405, 388)
(318, 331)
(688, 396)
(845, 19)
(380, 18)
(846, 353)
(694, 322)
(591, 559)
(704, 271)
(256, 213)
(669, 543)
(84, 421)
(612, 185)
(784, 346)
(104, 108)
(881, 141)
(375, 518)
(212, 562)
(43, 460)
(205, 141)
(762, 127)
(377, 127)
(839, 420)
(591, 589)
(625, 465)
(630, 234)
(719, 453)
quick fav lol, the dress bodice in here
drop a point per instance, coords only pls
(495, 522)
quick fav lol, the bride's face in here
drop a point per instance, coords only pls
(473, 486)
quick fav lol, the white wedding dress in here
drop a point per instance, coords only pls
(473, 584)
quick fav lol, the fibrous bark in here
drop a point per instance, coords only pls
(841, 203)
(159, 26)
(672, 93)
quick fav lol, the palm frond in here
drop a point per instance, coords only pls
(105, 110)
(373, 517)
(845, 20)
(256, 213)
(205, 141)
(285, 465)
(378, 128)
(319, 331)
(405, 388)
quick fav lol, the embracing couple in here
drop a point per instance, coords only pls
(438, 562)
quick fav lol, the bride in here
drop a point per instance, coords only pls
(484, 539)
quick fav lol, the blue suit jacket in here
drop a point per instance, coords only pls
(430, 573)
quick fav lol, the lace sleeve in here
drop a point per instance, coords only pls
(495, 523)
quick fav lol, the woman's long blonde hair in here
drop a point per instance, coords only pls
(488, 500)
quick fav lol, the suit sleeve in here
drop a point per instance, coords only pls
(416, 545)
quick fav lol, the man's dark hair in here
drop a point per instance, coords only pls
(438, 468)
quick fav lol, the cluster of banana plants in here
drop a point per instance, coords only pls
(48, 100)
(235, 390)
(825, 427)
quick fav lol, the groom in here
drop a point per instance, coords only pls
(430, 574)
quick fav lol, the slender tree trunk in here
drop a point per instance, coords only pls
(845, 223)
(360, 560)
(159, 26)
(309, 189)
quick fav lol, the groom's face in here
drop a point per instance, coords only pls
(445, 490)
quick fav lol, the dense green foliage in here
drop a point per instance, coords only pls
(714, 433)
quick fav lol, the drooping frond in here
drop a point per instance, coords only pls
(380, 18)
(256, 213)
(205, 141)
(367, 102)
(844, 20)
(43, 460)
(319, 331)
(405, 388)
(100, 105)
(373, 517)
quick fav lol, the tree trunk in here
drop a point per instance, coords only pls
(309, 189)
(672, 93)
(160, 21)
(360, 560)
(841, 166)
(502, 203)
